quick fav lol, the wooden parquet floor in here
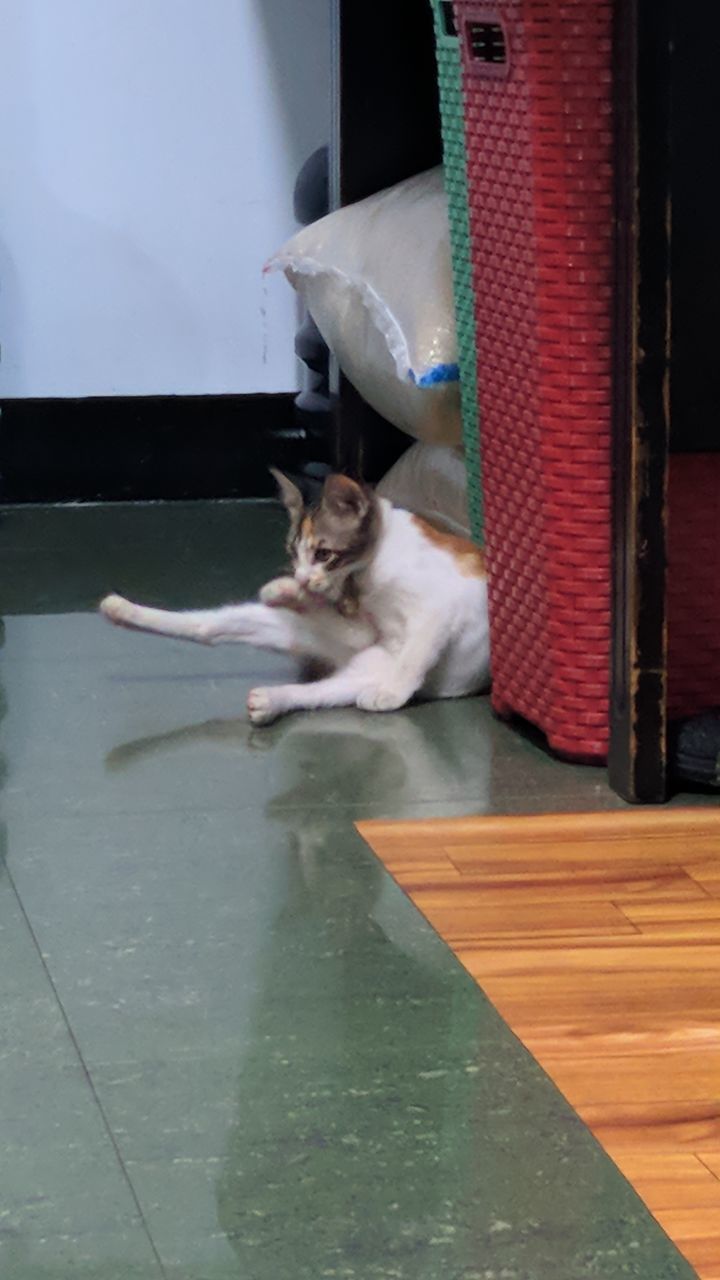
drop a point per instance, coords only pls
(597, 937)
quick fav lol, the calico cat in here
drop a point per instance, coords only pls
(388, 604)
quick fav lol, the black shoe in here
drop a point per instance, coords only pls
(694, 749)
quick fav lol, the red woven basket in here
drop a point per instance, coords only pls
(537, 78)
(537, 81)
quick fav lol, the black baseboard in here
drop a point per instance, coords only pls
(129, 448)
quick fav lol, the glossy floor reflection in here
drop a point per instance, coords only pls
(230, 1047)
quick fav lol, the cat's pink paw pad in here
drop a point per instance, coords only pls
(380, 699)
(116, 609)
(261, 708)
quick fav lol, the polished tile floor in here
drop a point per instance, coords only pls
(230, 1048)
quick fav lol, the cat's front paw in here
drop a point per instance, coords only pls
(282, 593)
(117, 610)
(262, 707)
(381, 698)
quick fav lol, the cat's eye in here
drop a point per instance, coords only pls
(322, 555)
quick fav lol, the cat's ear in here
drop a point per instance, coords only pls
(345, 497)
(291, 496)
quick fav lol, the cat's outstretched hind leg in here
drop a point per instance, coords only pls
(204, 626)
(319, 632)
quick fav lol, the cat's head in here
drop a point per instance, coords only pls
(332, 539)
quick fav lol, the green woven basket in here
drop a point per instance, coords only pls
(447, 49)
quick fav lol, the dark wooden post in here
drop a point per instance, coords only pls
(641, 400)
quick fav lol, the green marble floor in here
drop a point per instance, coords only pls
(230, 1049)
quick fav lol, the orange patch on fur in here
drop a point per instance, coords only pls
(469, 559)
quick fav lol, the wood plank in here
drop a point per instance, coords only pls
(460, 922)
(690, 1127)
(431, 858)
(670, 1076)
(682, 931)
(676, 1193)
(566, 995)
(651, 1036)
(651, 1166)
(427, 878)
(659, 913)
(636, 1162)
(669, 1179)
(614, 955)
(473, 858)
(635, 941)
(620, 882)
(616, 824)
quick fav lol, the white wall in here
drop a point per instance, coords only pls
(148, 154)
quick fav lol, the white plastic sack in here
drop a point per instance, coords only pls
(430, 481)
(376, 277)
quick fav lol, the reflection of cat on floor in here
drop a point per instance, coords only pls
(390, 605)
(381, 765)
(335, 1156)
(343, 1153)
(430, 752)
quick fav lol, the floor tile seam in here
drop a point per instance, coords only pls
(359, 813)
(617, 903)
(88, 1077)
(695, 869)
(698, 1156)
(29, 510)
(331, 808)
(200, 810)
